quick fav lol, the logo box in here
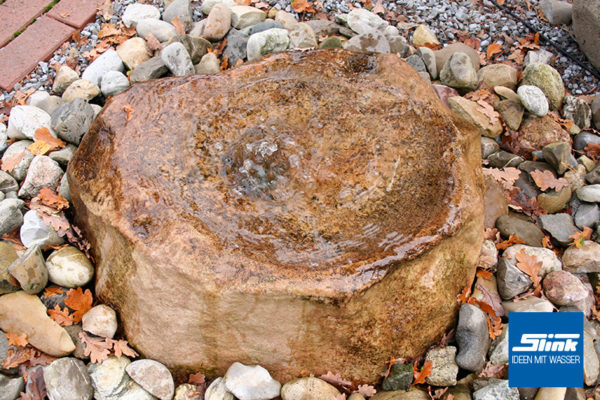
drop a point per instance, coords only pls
(545, 349)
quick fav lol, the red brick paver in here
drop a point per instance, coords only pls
(37, 43)
(76, 13)
(17, 14)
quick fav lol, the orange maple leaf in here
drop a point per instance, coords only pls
(127, 108)
(531, 266)
(97, 348)
(15, 339)
(44, 135)
(79, 301)
(494, 322)
(16, 356)
(61, 317)
(52, 291)
(464, 295)
(492, 49)
(419, 376)
(121, 347)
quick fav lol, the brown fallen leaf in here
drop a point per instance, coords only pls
(79, 301)
(53, 200)
(419, 376)
(494, 321)
(152, 42)
(579, 238)
(121, 347)
(127, 108)
(336, 380)
(301, 6)
(179, 28)
(531, 266)
(16, 356)
(10, 163)
(96, 348)
(108, 29)
(197, 379)
(52, 291)
(61, 317)
(506, 176)
(378, 9)
(367, 390)
(107, 10)
(39, 148)
(484, 274)
(493, 49)
(489, 111)
(546, 180)
(15, 339)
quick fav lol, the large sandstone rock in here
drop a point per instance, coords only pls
(316, 210)
(586, 25)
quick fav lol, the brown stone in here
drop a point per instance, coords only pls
(295, 223)
(535, 133)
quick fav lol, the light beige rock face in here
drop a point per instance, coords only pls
(24, 313)
(351, 242)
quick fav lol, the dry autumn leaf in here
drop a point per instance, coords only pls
(96, 348)
(378, 9)
(579, 238)
(43, 134)
(79, 301)
(108, 29)
(484, 274)
(15, 339)
(419, 376)
(506, 177)
(179, 28)
(52, 291)
(366, 390)
(488, 110)
(127, 108)
(464, 295)
(121, 347)
(39, 148)
(531, 266)
(494, 321)
(301, 6)
(335, 379)
(61, 317)
(11, 162)
(16, 356)
(153, 43)
(546, 180)
(592, 150)
(107, 10)
(197, 379)
(493, 49)
(512, 239)
(53, 200)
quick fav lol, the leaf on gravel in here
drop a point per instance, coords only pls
(464, 295)
(10, 163)
(592, 150)
(153, 43)
(15, 339)
(44, 135)
(519, 201)
(36, 386)
(489, 111)
(61, 317)
(335, 379)
(39, 148)
(366, 390)
(531, 266)
(79, 301)
(494, 321)
(179, 28)
(121, 347)
(52, 291)
(506, 177)
(484, 274)
(579, 238)
(197, 379)
(492, 370)
(57, 221)
(378, 9)
(96, 348)
(16, 356)
(37, 357)
(107, 10)
(491, 298)
(301, 6)
(419, 376)
(546, 180)
(473, 42)
(493, 49)
(53, 200)
(108, 29)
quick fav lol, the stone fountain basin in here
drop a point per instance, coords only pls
(314, 211)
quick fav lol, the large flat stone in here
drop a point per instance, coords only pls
(359, 223)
